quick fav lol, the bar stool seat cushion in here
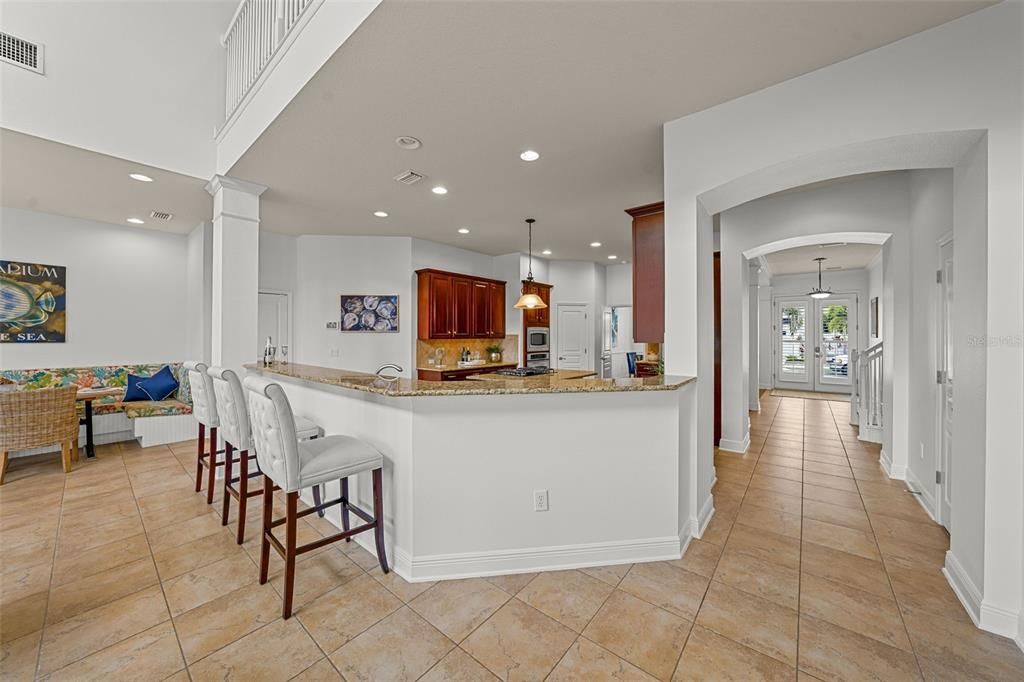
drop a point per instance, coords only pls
(328, 459)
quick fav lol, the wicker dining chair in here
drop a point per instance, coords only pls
(37, 417)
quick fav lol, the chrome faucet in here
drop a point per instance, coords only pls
(388, 366)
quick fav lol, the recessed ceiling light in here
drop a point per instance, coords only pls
(137, 221)
(463, 230)
(529, 155)
(140, 177)
(440, 190)
(546, 252)
(612, 257)
(408, 142)
(595, 244)
(381, 214)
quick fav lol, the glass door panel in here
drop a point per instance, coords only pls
(833, 350)
(791, 330)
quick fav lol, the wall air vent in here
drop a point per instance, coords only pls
(161, 215)
(409, 177)
(19, 52)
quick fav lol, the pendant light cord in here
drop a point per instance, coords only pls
(529, 274)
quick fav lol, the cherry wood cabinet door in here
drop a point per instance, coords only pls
(462, 307)
(440, 307)
(648, 273)
(496, 293)
(481, 310)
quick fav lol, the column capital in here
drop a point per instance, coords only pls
(219, 182)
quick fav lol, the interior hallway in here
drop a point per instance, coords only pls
(813, 559)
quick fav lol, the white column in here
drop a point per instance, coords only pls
(754, 334)
(236, 266)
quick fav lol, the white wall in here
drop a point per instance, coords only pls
(619, 285)
(199, 293)
(931, 218)
(126, 290)
(278, 261)
(911, 104)
(142, 81)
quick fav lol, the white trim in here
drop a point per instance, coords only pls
(164, 429)
(813, 239)
(503, 562)
(870, 434)
(707, 512)
(926, 500)
(964, 588)
(896, 472)
(999, 621)
(739, 446)
(219, 182)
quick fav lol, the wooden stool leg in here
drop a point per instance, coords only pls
(225, 501)
(65, 455)
(199, 457)
(344, 507)
(5, 458)
(292, 505)
(74, 445)
(243, 492)
(317, 500)
(268, 509)
(211, 477)
(378, 515)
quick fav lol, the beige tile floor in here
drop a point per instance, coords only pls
(813, 561)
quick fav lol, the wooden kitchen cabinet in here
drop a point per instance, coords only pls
(648, 272)
(538, 317)
(459, 374)
(455, 306)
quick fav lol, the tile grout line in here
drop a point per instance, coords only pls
(49, 583)
(885, 568)
(800, 556)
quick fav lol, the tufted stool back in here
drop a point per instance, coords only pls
(273, 432)
(231, 408)
(204, 406)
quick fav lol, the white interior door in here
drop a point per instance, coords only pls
(573, 333)
(836, 326)
(273, 321)
(945, 380)
(792, 365)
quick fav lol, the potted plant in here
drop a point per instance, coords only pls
(495, 352)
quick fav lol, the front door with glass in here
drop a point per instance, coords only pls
(813, 341)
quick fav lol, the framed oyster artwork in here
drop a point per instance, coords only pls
(369, 313)
(32, 302)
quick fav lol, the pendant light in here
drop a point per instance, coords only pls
(530, 301)
(818, 292)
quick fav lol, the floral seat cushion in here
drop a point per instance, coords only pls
(111, 376)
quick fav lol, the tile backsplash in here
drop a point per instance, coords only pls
(452, 348)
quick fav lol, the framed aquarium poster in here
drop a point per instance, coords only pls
(369, 313)
(32, 300)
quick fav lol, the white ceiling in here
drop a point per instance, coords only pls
(41, 175)
(588, 85)
(801, 259)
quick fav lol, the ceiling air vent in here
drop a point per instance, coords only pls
(161, 215)
(14, 50)
(409, 177)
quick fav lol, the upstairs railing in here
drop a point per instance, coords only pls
(257, 29)
(870, 386)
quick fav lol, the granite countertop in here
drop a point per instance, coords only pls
(560, 374)
(550, 383)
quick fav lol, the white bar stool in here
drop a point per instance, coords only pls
(292, 465)
(204, 409)
(237, 435)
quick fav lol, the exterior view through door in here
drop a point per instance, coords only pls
(813, 341)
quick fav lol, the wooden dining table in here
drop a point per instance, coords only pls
(87, 396)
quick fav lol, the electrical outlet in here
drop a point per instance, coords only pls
(540, 500)
(334, 352)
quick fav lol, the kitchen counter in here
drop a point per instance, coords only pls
(538, 380)
(451, 368)
(497, 385)
(462, 474)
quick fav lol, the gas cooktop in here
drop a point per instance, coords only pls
(524, 371)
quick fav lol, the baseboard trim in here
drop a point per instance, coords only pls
(999, 621)
(707, 511)
(898, 473)
(739, 446)
(528, 560)
(924, 498)
(964, 588)
(164, 429)
(870, 434)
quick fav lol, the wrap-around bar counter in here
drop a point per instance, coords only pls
(464, 461)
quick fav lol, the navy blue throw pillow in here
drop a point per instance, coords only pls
(160, 386)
